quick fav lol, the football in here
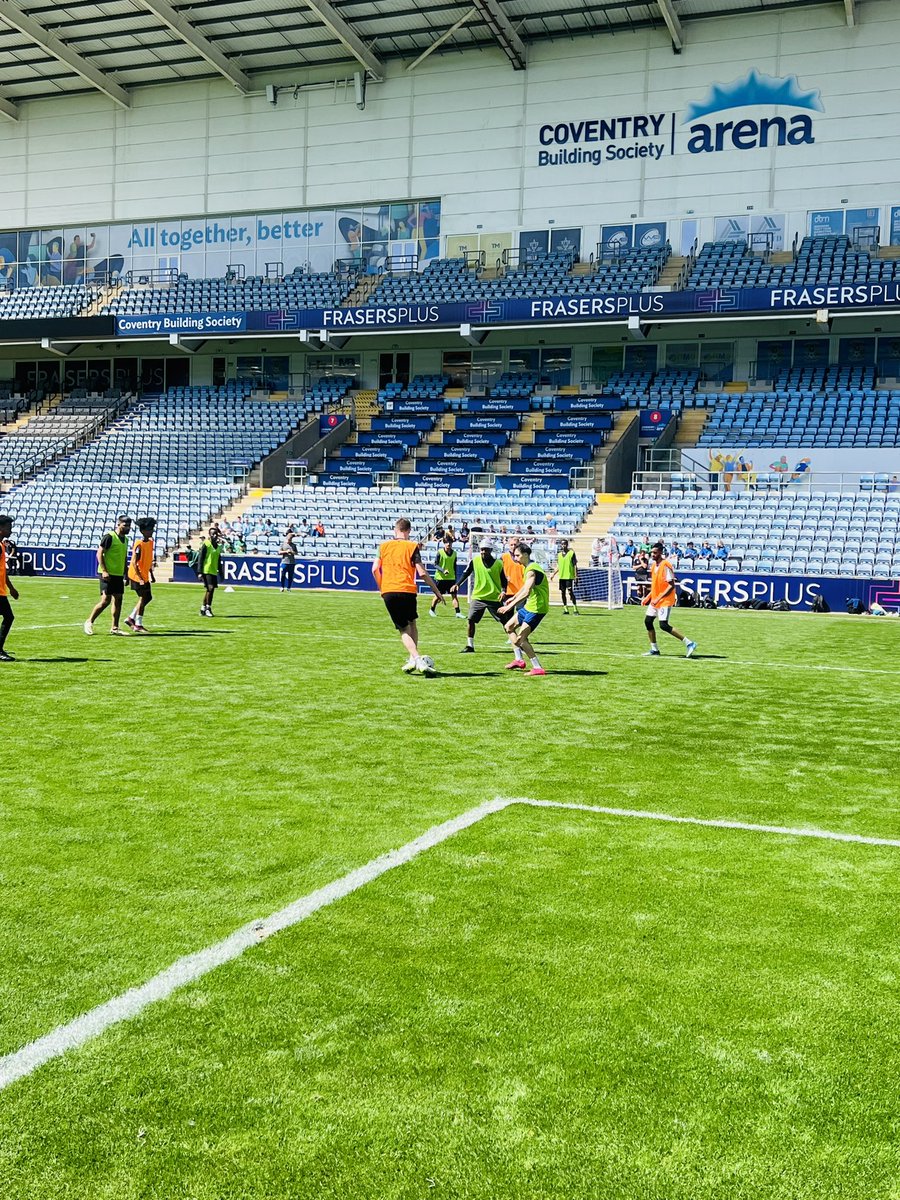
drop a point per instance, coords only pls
(425, 664)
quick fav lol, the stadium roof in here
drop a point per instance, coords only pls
(50, 48)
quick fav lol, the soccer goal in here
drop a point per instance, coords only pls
(599, 575)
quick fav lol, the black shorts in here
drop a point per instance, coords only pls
(444, 586)
(566, 585)
(402, 608)
(142, 589)
(112, 585)
(477, 609)
(210, 581)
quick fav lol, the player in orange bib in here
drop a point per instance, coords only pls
(397, 569)
(140, 574)
(7, 589)
(660, 601)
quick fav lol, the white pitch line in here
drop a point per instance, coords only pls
(193, 966)
(713, 822)
(90, 1025)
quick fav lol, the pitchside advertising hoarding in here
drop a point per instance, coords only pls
(355, 575)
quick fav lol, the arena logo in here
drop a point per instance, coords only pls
(749, 133)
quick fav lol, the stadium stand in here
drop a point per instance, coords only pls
(810, 407)
(356, 519)
(453, 280)
(76, 513)
(29, 303)
(817, 533)
(819, 261)
(301, 290)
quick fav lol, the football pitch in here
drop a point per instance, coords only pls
(538, 1001)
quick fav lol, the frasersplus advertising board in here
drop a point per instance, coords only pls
(355, 575)
(538, 310)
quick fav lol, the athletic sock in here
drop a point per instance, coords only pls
(519, 655)
(470, 642)
(534, 662)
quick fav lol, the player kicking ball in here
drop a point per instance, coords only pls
(530, 604)
(397, 569)
(489, 583)
(660, 601)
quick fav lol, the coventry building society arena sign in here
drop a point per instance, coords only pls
(656, 135)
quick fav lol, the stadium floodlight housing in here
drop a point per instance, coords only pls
(504, 33)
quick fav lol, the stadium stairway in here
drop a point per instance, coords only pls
(600, 519)
(671, 276)
(226, 516)
(624, 421)
(690, 426)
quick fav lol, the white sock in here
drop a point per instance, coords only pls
(470, 642)
(520, 657)
(534, 662)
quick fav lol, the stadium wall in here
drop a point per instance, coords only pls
(470, 130)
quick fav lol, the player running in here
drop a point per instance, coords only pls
(660, 601)
(531, 603)
(140, 574)
(489, 584)
(7, 589)
(112, 558)
(445, 576)
(567, 570)
(396, 568)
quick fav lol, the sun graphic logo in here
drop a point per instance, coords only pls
(755, 90)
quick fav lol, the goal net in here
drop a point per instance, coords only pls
(599, 575)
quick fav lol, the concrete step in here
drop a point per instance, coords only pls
(690, 426)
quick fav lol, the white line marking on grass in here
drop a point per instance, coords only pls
(713, 823)
(191, 967)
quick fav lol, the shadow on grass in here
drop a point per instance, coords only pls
(64, 660)
(577, 671)
(201, 633)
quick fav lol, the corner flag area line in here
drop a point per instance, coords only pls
(83, 1029)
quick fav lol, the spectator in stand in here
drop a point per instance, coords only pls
(477, 526)
(641, 566)
(464, 532)
(318, 529)
(550, 524)
(706, 551)
(630, 548)
(721, 551)
(646, 545)
(690, 551)
(675, 551)
(529, 532)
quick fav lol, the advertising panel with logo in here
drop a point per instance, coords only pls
(829, 223)
(753, 112)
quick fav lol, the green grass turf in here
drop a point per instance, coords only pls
(549, 1005)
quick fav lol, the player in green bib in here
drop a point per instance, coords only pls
(445, 577)
(488, 585)
(209, 568)
(528, 606)
(112, 560)
(567, 571)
